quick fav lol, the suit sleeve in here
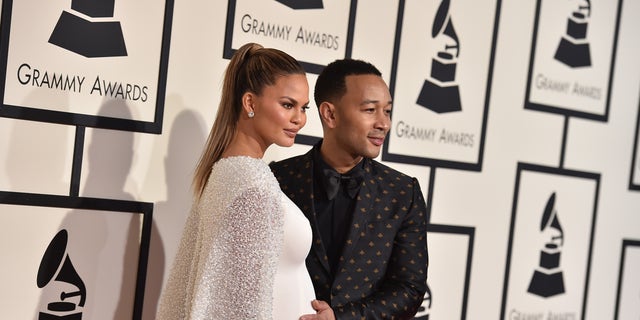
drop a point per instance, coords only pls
(404, 284)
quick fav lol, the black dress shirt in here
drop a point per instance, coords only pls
(334, 215)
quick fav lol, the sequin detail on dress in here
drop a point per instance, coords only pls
(228, 255)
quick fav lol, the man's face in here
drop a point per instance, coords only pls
(363, 116)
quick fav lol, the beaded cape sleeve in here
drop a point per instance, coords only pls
(227, 259)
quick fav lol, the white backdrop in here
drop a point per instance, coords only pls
(530, 139)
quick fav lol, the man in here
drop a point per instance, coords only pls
(369, 258)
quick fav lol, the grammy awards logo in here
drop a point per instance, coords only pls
(440, 93)
(573, 49)
(547, 279)
(302, 4)
(92, 39)
(425, 308)
(57, 271)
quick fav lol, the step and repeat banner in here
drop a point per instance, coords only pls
(86, 52)
(107, 66)
(99, 64)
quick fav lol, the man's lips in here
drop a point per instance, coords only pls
(377, 141)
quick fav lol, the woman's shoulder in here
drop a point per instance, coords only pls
(236, 178)
(243, 171)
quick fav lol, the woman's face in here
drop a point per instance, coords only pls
(280, 110)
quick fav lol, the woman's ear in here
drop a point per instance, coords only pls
(248, 100)
(327, 114)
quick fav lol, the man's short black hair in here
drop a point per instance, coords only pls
(330, 85)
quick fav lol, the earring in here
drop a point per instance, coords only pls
(251, 114)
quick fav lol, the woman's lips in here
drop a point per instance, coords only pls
(291, 132)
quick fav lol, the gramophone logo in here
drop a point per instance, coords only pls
(573, 49)
(547, 279)
(97, 37)
(425, 308)
(56, 272)
(302, 4)
(439, 92)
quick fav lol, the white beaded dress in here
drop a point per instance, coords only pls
(242, 250)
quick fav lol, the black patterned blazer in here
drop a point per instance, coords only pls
(382, 271)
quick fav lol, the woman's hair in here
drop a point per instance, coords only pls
(251, 68)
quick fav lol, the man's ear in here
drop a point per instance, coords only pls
(327, 114)
(248, 100)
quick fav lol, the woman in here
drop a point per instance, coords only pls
(244, 244)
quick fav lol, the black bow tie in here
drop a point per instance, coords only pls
(333, 180)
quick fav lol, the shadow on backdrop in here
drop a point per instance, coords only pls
(37, 153)
(185, 143)
(103, 238)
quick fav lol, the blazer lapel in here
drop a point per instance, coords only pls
(305, 181)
